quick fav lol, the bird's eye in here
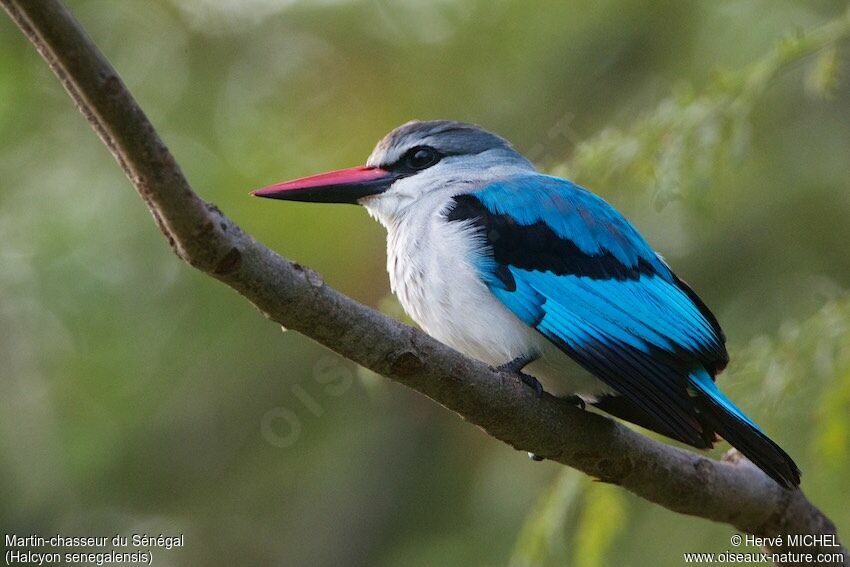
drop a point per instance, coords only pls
(421, 157)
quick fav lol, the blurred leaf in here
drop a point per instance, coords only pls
(574, 509)
(690, 138)
(602, 519)
(822, 79)
(542, 540)
(832, 436)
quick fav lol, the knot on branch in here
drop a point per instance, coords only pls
(704, 469)
(312, 276)
(112, 85)
(405, 362)
(229, 263)
(611, 471)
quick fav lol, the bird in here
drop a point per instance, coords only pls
(536, 275)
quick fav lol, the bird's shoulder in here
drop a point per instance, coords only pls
(551, 224)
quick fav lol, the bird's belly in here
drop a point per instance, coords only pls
(464, 314)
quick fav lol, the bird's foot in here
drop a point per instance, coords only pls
(516, 365)
(532, 382)
(536, 457)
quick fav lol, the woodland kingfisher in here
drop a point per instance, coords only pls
(535, 274)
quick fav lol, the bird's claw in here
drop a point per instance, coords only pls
(577, 401)
(532, 382)
(515, 366)
(536, 457)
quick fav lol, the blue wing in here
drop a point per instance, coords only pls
(569, 265)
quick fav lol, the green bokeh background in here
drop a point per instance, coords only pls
(138, 396)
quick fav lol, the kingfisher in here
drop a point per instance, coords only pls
(536, 275)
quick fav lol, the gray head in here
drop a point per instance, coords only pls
(413, 158)
(446, 137)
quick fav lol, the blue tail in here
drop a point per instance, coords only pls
(732, 424)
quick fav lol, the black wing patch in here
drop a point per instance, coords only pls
(536, 247)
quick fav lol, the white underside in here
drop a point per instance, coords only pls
(430, 264)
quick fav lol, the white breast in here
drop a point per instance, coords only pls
(432, 274)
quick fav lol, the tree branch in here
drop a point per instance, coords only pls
(732, 491)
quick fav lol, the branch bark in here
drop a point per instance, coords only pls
(732, 491)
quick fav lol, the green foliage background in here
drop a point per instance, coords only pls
(139, 396)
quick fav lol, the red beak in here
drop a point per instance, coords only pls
(341, 186)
